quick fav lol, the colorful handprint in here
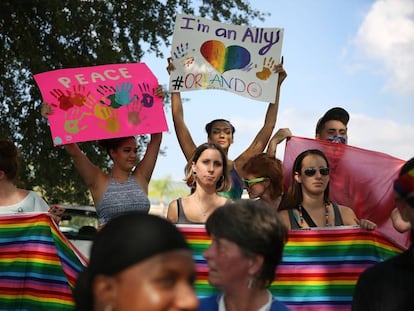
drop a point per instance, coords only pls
(72, 125)
(108, 96)
(267, 69)
(65, 102)
(123, 94)
(71, 98)
(134, 112)
(106, 113)
(147, 94)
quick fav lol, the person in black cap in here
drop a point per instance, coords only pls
(138, 262)
(332, 126)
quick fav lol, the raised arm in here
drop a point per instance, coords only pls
(88, 171)
(277, 138)
(146, 166)
(260, 141)
(181, 130)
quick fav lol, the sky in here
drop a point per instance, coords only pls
(356, 54)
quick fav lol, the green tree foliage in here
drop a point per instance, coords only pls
(166, 189)
(43, 35)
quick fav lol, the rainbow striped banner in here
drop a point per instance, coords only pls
(38, 264)
(319, 269)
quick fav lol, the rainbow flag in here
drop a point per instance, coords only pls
(320, 267)
(38, 264)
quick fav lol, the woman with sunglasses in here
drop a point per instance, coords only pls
(264, 179)
(307, 203)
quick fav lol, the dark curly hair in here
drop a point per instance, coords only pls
(9, 159)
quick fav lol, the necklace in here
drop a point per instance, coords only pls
(302, 220)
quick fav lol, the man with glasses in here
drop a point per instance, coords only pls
(389, 285)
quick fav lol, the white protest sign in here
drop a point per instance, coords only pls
(210, 55)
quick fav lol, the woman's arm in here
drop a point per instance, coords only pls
(181, 130)
(284, 216)
(260, 141)
(88, 171)
(146, 166)
(350, 219)
(172, 213)
(277, 138)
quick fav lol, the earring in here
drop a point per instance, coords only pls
(193, 184)
(250, 282)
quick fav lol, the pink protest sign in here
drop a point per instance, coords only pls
(100, 102)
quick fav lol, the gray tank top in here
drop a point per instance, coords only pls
(181, 215)
(121, 198)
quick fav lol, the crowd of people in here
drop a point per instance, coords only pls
(153, 268)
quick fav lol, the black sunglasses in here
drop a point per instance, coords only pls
(312, 171)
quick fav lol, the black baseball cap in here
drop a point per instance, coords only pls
(336, 113)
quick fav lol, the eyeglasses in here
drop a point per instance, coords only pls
(312, 171)
(248, 182)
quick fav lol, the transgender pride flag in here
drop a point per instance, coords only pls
(38, 265)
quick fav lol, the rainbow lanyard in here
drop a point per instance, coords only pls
(302, 220)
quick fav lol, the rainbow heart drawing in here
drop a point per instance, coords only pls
(224, 59)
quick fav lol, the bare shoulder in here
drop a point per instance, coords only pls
(172, 212)
(348, 215)
(284, 216)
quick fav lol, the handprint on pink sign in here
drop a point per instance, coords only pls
(101, 102)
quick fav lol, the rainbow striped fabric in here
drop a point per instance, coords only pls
(319, 269)
(38, 265)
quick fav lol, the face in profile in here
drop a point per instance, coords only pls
(161, 282)
(226, 263)
(255, 185)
